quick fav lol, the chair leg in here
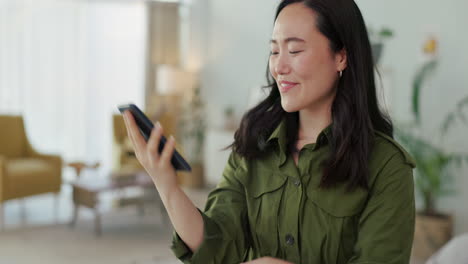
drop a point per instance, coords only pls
(75, 215)
(22, 210)
(97, 222)
(2, 216)
(56, 206)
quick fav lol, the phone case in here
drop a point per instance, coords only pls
(146, 126)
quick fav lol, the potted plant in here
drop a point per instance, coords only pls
(192, 127)
(377, 39)
(229, 118)
(435, 166)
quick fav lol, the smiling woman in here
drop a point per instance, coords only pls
(320, 72)
(314, 175)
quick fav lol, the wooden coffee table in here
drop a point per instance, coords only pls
(86, 192)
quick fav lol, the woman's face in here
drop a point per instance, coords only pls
(301, 61)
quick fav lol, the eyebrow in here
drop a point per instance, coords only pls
(291, 39)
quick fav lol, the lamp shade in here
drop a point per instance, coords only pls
(171, 80)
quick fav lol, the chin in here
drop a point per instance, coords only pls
(289, 106)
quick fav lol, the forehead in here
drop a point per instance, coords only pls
(295, 20)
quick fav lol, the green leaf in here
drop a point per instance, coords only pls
(461, 104)
(386, 33)
(433, 174)
(417, 84)
(447, 123)
(452, 116)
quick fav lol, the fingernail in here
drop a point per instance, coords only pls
(158, 124)
(172, 138)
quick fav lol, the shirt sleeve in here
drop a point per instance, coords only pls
(386, 226)
(226, 235)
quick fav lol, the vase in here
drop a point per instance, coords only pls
(431, 233)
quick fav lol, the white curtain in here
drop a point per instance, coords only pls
(65, 65)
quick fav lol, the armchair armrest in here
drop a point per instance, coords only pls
(56, 162)
(56, 159)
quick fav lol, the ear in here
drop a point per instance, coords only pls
(341, 60)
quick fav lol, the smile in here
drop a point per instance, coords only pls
(286, 86)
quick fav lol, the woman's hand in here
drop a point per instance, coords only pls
(267, 260)
(157, 165)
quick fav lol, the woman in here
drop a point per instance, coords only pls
(314, 175)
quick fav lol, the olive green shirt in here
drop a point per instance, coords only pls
(271, 207)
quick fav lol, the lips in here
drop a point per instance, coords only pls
(285, 86)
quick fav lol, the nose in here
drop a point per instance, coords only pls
(282, 66)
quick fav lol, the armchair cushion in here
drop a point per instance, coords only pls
(30, 176)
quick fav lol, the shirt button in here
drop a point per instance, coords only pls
(297, 183)
(289, 239)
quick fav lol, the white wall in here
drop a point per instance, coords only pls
(116, 38)
(235, 50)
(235, 54)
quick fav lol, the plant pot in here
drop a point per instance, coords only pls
(431, 233)
(193, 179)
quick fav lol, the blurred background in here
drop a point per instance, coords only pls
(71, 190)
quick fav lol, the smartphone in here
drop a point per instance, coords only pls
(146, 126)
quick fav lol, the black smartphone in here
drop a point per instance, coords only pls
(145, 125)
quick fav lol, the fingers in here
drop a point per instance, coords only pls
(153, 142)
(168, 151)
(149, 150)
(134, 132)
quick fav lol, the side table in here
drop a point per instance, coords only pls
(78, 166)
(87, 189)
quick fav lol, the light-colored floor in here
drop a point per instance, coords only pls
(33, 231)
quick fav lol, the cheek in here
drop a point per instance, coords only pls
(304, 67)
(314, 67)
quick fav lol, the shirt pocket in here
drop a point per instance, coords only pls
(265, 195)
(335, 217)
(337, 201)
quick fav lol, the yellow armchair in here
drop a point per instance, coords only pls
(23, 171)
(123, 155)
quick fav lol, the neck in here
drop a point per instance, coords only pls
(312, 122)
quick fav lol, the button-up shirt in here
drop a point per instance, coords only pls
(272, 207)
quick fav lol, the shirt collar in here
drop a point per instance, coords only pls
(280, 136)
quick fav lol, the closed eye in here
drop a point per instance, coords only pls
(291, 52)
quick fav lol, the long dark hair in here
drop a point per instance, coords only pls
(355, 110)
